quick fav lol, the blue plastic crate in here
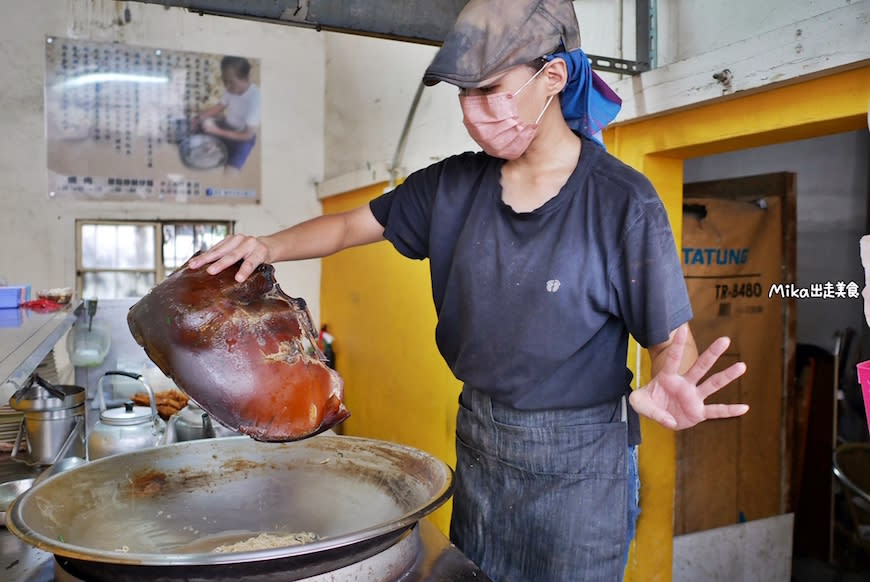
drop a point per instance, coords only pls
(12, 317)
(14, 295)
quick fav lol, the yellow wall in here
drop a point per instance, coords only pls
(378, 304)
(657, 147)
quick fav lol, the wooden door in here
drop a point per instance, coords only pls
(738, 247)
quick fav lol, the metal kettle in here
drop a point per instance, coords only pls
(121, 430)
(193, 423)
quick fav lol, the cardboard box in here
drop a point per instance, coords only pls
(730, 470)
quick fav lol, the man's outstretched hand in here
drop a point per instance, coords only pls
(675, 400)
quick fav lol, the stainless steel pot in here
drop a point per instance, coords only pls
(53, 421)
(158, 513)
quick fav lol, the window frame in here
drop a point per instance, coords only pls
(159, 260)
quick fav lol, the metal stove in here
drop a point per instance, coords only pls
(423, 554)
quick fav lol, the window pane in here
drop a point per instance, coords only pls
(116, 285)
(182, 241)
(118, 246)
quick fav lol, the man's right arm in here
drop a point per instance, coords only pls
(318, 237)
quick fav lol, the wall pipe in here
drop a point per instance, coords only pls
(403, 139)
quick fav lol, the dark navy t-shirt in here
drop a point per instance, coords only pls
(535, 308)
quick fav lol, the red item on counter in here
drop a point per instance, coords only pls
(41, 305)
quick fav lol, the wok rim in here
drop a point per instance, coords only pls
(16, 525)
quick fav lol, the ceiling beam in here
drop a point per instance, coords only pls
(418, 21)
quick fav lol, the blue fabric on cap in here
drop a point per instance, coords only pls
(588, 103)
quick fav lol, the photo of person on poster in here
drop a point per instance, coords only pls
(235, 119)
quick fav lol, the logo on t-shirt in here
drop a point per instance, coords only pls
(553, 285)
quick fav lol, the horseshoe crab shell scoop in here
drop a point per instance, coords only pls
(245, 352)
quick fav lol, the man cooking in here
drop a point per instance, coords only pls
(545, 254)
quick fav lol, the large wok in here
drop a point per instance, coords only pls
(157, 514)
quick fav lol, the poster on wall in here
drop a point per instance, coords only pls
(133, 123)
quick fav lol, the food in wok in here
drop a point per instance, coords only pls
(266, 541)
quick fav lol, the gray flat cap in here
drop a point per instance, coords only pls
(490, 36)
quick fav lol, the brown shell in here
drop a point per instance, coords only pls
(245, 352)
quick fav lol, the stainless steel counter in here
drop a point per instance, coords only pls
(24, 345)
(26, 337)
(21, 562)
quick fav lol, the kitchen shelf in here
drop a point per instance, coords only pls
(26, 342)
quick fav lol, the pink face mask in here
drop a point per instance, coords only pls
(494, 123)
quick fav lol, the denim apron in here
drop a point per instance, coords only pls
(547, 496)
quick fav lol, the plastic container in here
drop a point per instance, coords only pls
(87, 348)
(62, 295)
(12, 296)
(864, 379)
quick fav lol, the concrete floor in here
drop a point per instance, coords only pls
(812, 570)
(853, 565)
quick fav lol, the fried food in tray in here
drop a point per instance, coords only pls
(168, 401)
